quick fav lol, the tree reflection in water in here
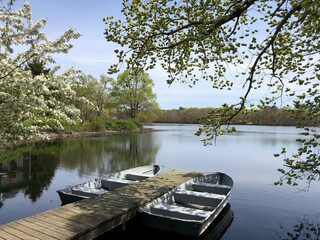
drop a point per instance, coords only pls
(303, 230)
(41, 175)
(31, 168)
(26, 173)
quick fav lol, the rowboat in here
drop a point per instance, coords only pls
(134, 230)
(189, 208)
(106, 183)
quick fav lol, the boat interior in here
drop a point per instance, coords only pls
(194, 200)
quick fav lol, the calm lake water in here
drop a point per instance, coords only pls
(31, 175)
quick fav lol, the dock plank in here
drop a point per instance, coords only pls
(73, 213)
(50, 227)
(89, 218)
(80, 219)
(98, 216)
(72, 229)
(43, 232)
(24, 227)
(17, 232)
(6, 235)
(65, 221)
(95, 206)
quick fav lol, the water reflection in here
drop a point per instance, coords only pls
(28, 173)
(110, 154)
(14, 174)
(271, 139)
(41, 175)
(30, 169)
(304, 229)
(220, 225)
(135, 229)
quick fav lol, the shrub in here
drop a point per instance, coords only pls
(123, 125)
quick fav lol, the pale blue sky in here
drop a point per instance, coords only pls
(93, 54)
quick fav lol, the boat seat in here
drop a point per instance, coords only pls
(136, 177)
(199, 198)
(211, 188)
(176, 211)
(109, 183)
(87, 192)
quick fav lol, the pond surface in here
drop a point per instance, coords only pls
(31, 175)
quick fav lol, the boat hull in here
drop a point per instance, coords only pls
(189, 228)
(66, 198)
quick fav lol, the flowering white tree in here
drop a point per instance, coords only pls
(32, 106)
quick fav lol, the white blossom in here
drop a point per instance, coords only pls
(31, 106)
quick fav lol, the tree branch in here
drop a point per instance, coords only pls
(18, 66)
(216, 24)
(270, 43)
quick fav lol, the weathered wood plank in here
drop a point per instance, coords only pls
(17, 232)
(73, 230)
(38, 228)
(100, 207)
(25, 228)
(5, 235)
(106, 204)
(50, 226)
(65, 220)
(97, 217)
(73, 213)
(73, 219)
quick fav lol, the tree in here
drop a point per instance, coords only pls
(263, 44)
(96, 91)
(33, 101)
(133, 96)
(102, 92)
(37, 67)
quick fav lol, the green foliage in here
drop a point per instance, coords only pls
(96, 91)
(96, 124)
(266, 116)
(303, 165)
(8, 154)
(78, 126)
(37, 67)
(182, 115)
(123, 125)
(132, 95)
(104, 123)
(271, 45)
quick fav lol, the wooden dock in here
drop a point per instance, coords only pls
(89, 218)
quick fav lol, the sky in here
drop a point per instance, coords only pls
(93, 54)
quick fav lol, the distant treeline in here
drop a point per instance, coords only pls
(266, 116)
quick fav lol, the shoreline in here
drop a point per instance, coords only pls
(55, 136)
(67, 135)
